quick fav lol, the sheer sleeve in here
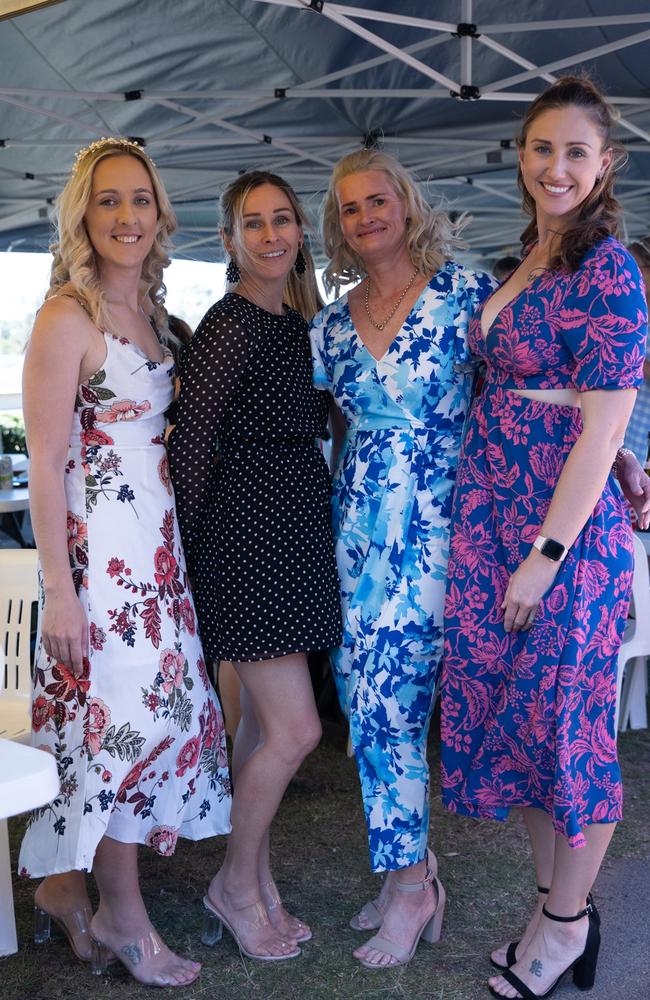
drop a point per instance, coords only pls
(604, 320)
(211, 370)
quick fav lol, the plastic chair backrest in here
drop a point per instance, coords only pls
(641, 590)
(18, 591)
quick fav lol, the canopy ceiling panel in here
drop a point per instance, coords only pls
(215, 87)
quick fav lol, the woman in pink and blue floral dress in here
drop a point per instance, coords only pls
(121, 697)
(541, 550)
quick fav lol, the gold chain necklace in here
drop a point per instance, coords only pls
(389, 316)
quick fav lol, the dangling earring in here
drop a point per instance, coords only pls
(301, 264)
(232, 272)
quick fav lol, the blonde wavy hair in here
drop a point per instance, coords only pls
(301, 292)
(431, 236)
(75, 260)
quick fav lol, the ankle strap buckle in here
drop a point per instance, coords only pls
(588, 910)
(418, 886)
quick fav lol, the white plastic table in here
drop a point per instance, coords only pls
(14, 500)
(28, 779)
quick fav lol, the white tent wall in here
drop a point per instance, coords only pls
(214, 87)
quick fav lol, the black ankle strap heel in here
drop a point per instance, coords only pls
(583, 968)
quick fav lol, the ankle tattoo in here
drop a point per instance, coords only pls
(132, 953)
(536, 967)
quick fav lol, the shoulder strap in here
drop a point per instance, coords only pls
(67, 295)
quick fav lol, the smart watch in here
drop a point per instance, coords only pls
(550, 548)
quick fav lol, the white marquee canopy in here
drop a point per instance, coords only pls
(213, 87)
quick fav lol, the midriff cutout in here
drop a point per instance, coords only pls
(557, 397)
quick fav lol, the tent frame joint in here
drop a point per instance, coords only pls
(466, 30)
(467, 92)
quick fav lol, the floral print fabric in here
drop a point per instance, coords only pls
(391, 510)
(139, 736)
(528, 717)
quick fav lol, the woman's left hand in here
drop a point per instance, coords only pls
(526, 587)
(635, 485)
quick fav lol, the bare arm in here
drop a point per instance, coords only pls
(53, 362)
(605, 415)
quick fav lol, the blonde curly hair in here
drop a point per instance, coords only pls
(75, 260)
(431, 238)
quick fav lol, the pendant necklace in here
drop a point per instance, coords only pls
(389, 316)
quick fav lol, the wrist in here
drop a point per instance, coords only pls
(59, 588)
(551, 549)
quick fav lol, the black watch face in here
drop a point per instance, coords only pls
(552, 549)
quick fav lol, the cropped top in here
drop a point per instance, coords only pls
(585, 330)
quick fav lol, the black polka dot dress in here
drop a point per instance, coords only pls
(252, 487)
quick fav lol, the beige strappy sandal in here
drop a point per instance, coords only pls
(430, 930)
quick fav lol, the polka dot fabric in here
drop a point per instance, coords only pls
(252, 487)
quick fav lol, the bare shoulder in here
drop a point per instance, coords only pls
(64, 317)
(64, 333)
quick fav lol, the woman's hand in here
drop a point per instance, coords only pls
(64, 630)
(635, 485)
(525, 589)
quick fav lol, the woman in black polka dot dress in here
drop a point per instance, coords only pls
(252, 492)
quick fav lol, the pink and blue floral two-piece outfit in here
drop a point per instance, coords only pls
(528, 717)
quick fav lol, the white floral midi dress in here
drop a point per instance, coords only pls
(138, 737)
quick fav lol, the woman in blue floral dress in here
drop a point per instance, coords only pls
(541, 553)
(393, 354)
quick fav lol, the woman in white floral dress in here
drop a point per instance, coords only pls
(121, 697)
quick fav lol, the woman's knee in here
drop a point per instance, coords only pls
(300, 738)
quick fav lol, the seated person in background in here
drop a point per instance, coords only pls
(638, 429)
(504, 266)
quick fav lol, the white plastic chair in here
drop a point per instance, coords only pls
(632, 675)
(28, 779)
(18, 591)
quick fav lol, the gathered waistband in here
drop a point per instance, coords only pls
(420, 430)
(263, 444)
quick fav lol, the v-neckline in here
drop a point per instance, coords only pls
(138, 350)
(399, 332)
(485, 334)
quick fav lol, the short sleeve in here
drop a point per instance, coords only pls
(604, 320)
(319, 354)
(478, 286)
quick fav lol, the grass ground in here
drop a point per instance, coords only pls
(322, 870)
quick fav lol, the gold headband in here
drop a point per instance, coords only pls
(126, 144)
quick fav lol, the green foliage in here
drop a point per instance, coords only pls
(12, 428)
